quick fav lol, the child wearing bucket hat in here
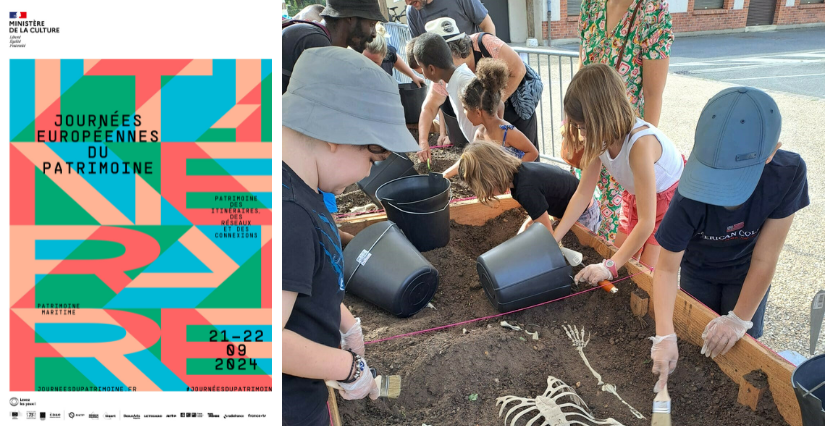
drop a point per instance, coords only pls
(727, 223)
(637, 154)
(340, 114)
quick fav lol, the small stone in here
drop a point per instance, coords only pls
(504, 220)
(489, 326)
(464, 330)
(495, 380)
(536, 347)
(612, 341)
(578, 384)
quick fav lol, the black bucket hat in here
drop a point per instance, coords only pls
(367, 9)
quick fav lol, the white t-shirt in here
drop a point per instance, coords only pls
(458, 82)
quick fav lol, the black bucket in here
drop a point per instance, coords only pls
(395, 166)
(412, 98)
(525, 270)
(383, 268)
(420, 206)
(805, 378)
(453, 129)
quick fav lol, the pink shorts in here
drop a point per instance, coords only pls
(630, 216)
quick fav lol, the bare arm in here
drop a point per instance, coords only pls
(452, 171)
(581, 198)
(654, 76)
(405, 69)
(425, 120)
(763, 265)
(487, 25)
(517, 140)
(544, 219)
(305, 358)
(516, 67)
(665, 289)
(642, 157)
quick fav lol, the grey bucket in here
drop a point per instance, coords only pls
(420, 206)
(394, 167)
(808, 380)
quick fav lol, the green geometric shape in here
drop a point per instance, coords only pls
(141, 153)
(97, 249)
(206, 200)
(207, 367)
(202, 333)
(266, 109)
(84, 289)
(218, 135)
(27, 135)
(165, 79)
(135, 272)
(154, 315)
(241, 290)
(53, 371)
(53, 206)
(39, 339)
(100, 95)
(204, 167)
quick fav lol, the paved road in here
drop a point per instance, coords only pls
(790, 61)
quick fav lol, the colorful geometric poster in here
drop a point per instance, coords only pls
(140, 225)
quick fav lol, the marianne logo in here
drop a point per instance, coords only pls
(736, 227)
(17, 15)
(14, 402)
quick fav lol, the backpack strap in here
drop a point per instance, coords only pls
(289, 22)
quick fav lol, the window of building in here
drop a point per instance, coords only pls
(708, 4)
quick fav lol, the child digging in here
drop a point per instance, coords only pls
(638, 155)
(481, 100)
(328, 144)
(542, 189)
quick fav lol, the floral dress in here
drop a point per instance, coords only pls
(650, 36)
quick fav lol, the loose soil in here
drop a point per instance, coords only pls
(442, 159)
(440, 370)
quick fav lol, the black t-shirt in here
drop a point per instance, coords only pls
(540, 188)
(718, 242)
(389, 59)
(296, 38)
(313, 266)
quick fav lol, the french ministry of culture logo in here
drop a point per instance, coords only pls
(17, 15)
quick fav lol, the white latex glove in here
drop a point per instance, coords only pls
(594, 273)
(353, 339)
(365, 385)
(665, 354)
(722, 333)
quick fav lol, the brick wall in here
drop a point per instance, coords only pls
(798, 13)
(567, 27)
(710, 20)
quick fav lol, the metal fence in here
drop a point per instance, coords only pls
(556, 68)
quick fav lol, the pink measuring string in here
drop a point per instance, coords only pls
(494, 316)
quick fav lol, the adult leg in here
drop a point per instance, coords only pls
(706, 292)
(610, 202)
(730, 295)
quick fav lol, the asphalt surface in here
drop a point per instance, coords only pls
(791, 61)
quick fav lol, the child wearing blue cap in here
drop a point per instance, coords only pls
(327, 145)
(727, 223)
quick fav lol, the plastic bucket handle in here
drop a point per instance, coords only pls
(408, 212)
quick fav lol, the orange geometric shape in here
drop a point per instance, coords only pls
(247, 76)
(235, 116)
(197, 67)
(147, 203)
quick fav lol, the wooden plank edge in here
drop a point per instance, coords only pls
(690, 319)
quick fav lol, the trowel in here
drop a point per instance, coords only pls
(817, 315)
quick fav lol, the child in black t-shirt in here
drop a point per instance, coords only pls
(727, 223)
(327, 145)
(542, 189)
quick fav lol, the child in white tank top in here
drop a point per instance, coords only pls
(637, 154)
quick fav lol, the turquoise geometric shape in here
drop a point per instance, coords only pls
(54, 249)
(266, 68)
(21, 95)
(169, 215)
(38, 277)
(156, 371)
(177, 258)
(96, 372)
(117, 188)
(265, 198)
(159, 298)
(70, 71)
(190, 105)
(239, 249)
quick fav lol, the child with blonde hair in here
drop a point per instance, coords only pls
(639, 156)
(542, 189)
(386, 56)
(481, 100)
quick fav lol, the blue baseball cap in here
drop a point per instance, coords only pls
(736, 133)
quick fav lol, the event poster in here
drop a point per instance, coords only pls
(140, 225)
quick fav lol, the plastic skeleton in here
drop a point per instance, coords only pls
(559, 405)
(577, 336)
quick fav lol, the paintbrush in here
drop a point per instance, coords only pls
(661, 409)
(388, 387)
